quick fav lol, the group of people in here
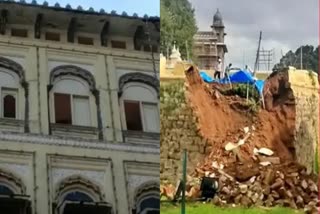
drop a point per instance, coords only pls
(226, 72)
(218, 70)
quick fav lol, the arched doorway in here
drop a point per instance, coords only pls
(147, 199)
(13, 198)
(77, 195)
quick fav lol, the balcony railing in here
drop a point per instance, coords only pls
(136, 137)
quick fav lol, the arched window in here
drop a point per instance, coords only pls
(140, 109)
(71, 101)
(9, 85)
(149, 205)
(5, 190)
(13, 198)
(9, 106)
(147, 199)
(79, 195)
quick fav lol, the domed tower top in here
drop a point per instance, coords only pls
(217, 19)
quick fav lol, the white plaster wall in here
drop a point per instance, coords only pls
(38, 57)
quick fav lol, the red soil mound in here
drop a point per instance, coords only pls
(221, 119)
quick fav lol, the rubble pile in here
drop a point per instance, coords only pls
(252, 156)
(282, 185)
(249, 185)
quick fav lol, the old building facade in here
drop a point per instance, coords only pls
(79, 122)
(209, 45)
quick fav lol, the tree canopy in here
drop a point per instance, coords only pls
(310, 56)
(178, 25)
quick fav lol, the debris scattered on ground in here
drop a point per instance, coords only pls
(265, 151)
(251, 156)
(273, 185)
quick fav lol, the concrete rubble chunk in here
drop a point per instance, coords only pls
(265, 151)
(230, 146)
(265, 163)
(215, 165)
(304, 184)
(246, 129)
(243, 188)
(212, 175)
(241, 142)
(272, 160)
(252, 179)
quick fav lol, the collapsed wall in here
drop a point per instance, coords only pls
(196, 116)
(299, 88)
(206, 118)
(222, 118)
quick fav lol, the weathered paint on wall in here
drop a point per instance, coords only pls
(42, 161)
(305, 86)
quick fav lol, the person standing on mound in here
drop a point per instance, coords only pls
(218, 69)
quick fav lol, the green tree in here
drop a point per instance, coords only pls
(310, 56)
(178, 25)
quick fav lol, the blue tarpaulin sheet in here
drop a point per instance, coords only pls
(259, 85)
(239, 77)
(242, 77)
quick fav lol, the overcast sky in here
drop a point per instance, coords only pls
(285, 25)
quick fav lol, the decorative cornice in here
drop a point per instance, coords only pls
(78, 143)
(79, 9)
(138, 77)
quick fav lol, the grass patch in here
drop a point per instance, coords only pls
(198, 208)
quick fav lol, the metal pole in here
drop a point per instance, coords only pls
(256, 66)
(301, 58)
(184, 179)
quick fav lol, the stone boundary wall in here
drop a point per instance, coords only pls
(178, 132)
(305, 86)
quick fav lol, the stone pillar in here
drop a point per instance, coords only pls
(114, 104)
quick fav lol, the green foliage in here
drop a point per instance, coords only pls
(241, 91)
(253, 106)
(310, 56)
(313, 82)
(178, 25)
(197, 208)
(172, 96)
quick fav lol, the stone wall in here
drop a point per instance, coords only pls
(306, 91)
(178, 132)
